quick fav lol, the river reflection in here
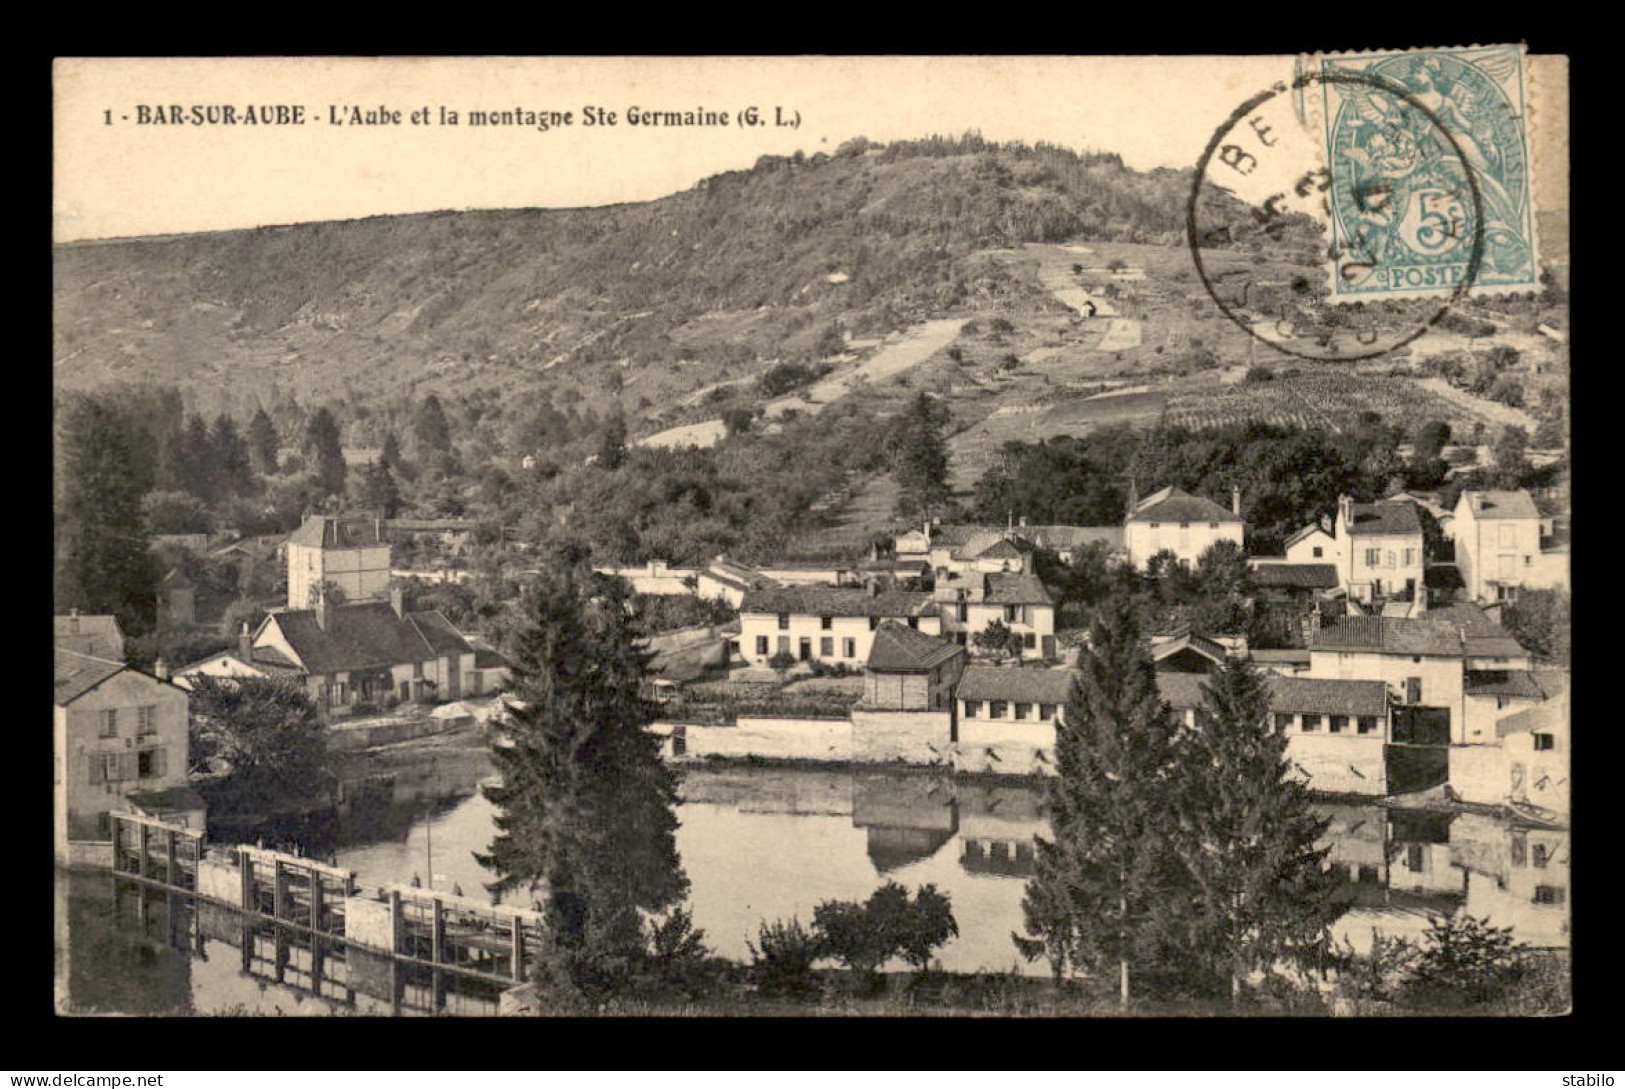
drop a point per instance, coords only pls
(761, 844)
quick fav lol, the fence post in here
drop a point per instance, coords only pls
(517, 954)
(278, 889)
(248, 900)
(395, 921)
(315, 901)
(141, 845)
(437, 932)
(169, 859)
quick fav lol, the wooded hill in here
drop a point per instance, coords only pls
(697, 287)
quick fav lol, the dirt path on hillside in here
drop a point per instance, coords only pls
(1493, 411)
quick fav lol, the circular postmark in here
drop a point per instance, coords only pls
(1356, 239)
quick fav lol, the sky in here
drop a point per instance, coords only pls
(115, 177)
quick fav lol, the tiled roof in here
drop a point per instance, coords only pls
(1385, 517)
(1484, 637)
(1072, 537)
(1290, 655)
(1553, 715)
(334, 531)
(1307, 531)
(1389, 635)
(952, 537)
(1016, 588)
(1309, 576)
(1177, 505)
(1015, 684)
(489, 658)
(76, 674)
(898, 648)
(1001, 549)
(835, 601)
(366, 635)
(1207, 648)
(1501, 505)
(1326, 696)
(1518, 683)
(94, 635)
(1181, 691)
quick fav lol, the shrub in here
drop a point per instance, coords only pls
(864, 936)
(782, 958)
(1258, 373)
(1463, 961)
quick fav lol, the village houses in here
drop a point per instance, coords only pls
(830, 624)
(1377, 549)
(1176, 521)
(1500, 546)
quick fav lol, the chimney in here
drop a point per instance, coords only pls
(397, 600)
(1235, 501)
(1133, 496)
(245, 642)
(1022, 521)
(160, 669)
(321, 607)
(1345, 509)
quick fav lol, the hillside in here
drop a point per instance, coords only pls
(698, 288)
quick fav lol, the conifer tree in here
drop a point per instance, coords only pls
(612, 445)
(1247, 836)
(430, 429)
(1098, 883)
(323, 450)
(585, 805)
(264, 447)
(103, 561)
(919, 456)
(378, 490)
(390, 455)
(232, 468)
(196, 465)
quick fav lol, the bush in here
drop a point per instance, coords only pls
(782, 958)
(1258, 373)
(782, 662)
(865, 936)
(1463, 961)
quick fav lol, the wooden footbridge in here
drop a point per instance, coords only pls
(301, 921)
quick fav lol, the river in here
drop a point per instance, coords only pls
(758, 844)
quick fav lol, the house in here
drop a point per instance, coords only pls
(908, 670)
(1525, 764)
(120, 742)
(1283, 662)
(729, 581)
(1187, 652)
(350, 553)
(1377, 548)
(1186, 525)
(1428, 501)
(1007, 717)
(1313, 544)
(245, 660)
(1336, 731)
(1293, 583)
(1018, 600)
(1498, 545)
(1068, 541)
(97, 636)
(826, 623)
(371, 652)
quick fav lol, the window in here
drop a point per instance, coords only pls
(1367, 724)
(849, 648)
(1410, 557)
(826, 647)
(1368, 875)
(110, 722)
(1548, 894)
(914, 622)
(1030, 640)
(1337, 723)
(996, 709)
(112, 767)
(1046, 711)
(874, 622)
(761, 644)
(1311, 723)
(1373, 557)
(150, 763)
(1156, 525)
(973, 708)
(826, 623)
(1391, 562)
(964, 612)
(1416, 859)
(1283, 722)
(1012, 613)
(784, 621)
(1184, 525)
(146, 721)
(1319, 552)
(1023, 710)
(1539, 855)
(784, 644)
(1413, 689)
(1545, 742)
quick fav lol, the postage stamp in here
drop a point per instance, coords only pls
(1429, 160)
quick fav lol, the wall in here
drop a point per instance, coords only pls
(1303, 551)
(343, 737)
(1479, 548)
(218, 878)
(1479, 773)
(369, 921)
(82, 746)
(1545, 772)
(1005, 746)
(1340, 763)
(654, 578)
(361, 573)
(1358, 574)
(856, 628)
(1144, 542)
(896, 691)
(1441, 678)
(772, 738)
(915, 737)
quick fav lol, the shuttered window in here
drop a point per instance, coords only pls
(110, 722)
(146, 721)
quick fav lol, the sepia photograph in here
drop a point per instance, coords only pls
(812, 536)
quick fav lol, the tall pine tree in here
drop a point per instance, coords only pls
(1248, 838)
(264, 447)
(378, 490)
(1099, 883)
(232, 467)
(585, 806)
(324, 452)
(430, 429)
(919, 457)
(103, 561)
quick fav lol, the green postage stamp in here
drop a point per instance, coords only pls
(1429, 159)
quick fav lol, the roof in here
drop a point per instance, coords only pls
(1307, 576)
(78, 673)
(94, 635)
(1307, 531)
(365, 635)
(1015, 684)
(336, 531)
(1423, 635)
(167, 800)
(1289, 655)
(1001, 549)
(1176, 505)
(1326, 696)
(1015, 588)
(1483, 636)
(1517, 683)
(898, 648)
(1553, 715)
(1207, 648)
(1181, 691)
(1517, 504)
(1385, 517)
(835, 601)
(1072, 537)
(489, 658)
